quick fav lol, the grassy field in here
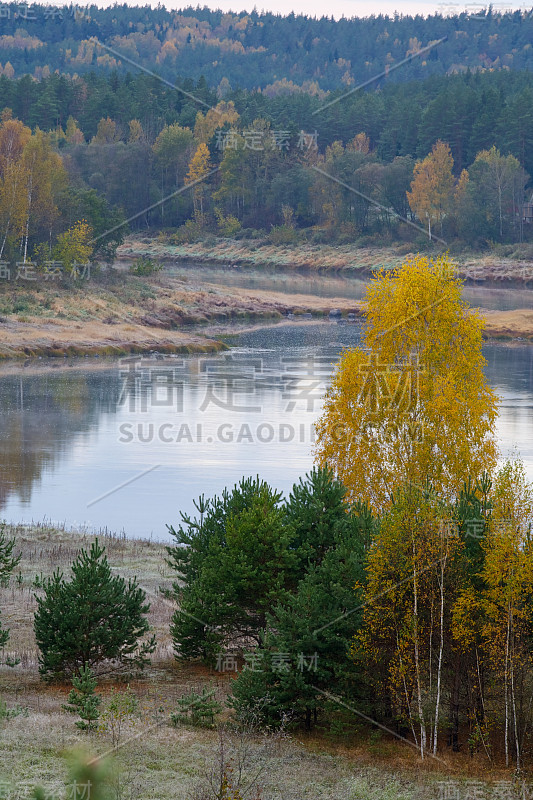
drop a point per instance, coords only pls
(156, 760)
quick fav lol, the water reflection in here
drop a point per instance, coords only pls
(129, 444)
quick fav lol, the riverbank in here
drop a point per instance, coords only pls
(126, 314)
(350, 260)
(156, 759)
(118, 313)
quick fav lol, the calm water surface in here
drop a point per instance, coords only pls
(129, 444)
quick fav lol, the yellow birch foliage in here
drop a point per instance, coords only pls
(73, 133)
(205, 126)
(359, 143)
(46, 177)
(199, 167)
(14, 136)
(412, 404)
(136, 133)
(432, 186)
(508, 626)
(508, 567)
(74, 245)
(403, 632)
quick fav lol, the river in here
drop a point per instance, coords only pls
(126, 445)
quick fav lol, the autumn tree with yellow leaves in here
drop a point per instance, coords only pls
(205, 126)
(31, 176)
(507, 604)
(412, 403)
(404, 638)
(14, 137)
(199, 169)
(432, 186)
(74, 245)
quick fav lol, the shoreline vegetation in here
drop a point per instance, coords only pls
(362, 763)
(259, 570)
(511, 267)
(118, 313)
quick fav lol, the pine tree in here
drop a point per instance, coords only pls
(315, 510)
(236, 564)
(197, 708)
(306, 645)
(83, 700)
(94, 618)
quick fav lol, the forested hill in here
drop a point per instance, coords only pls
(258, 50)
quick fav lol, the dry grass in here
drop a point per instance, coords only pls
(509, 324)
(44, 549)
(322, 257)
(163, 313)
(136, 316)
(156, 760)
(346, 259)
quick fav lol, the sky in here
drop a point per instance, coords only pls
(349, 8)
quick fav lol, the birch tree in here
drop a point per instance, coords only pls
(508, 573)
(413, 402)
(432, 186)
(406, 627)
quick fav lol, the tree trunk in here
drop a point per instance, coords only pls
(30, 195)
(417, 662)
(506, 690)
(453, 735)
(441, 648)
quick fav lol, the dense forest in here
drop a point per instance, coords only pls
(289, 164)
(412, 156)
(254, 50)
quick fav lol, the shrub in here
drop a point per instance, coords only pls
(120, 711)
(283, 234)
(197, 709)
(95, 617)
(192, 231)
(227, 226)
(10, 713)
(145, 266)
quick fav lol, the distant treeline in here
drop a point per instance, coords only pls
(259, 49)
(470, 112)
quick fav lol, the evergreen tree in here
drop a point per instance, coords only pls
(244, 555)
(316, 510)
(83, 700)
(92, 619)
(306, 644)
(197, 708)
(235, 565)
